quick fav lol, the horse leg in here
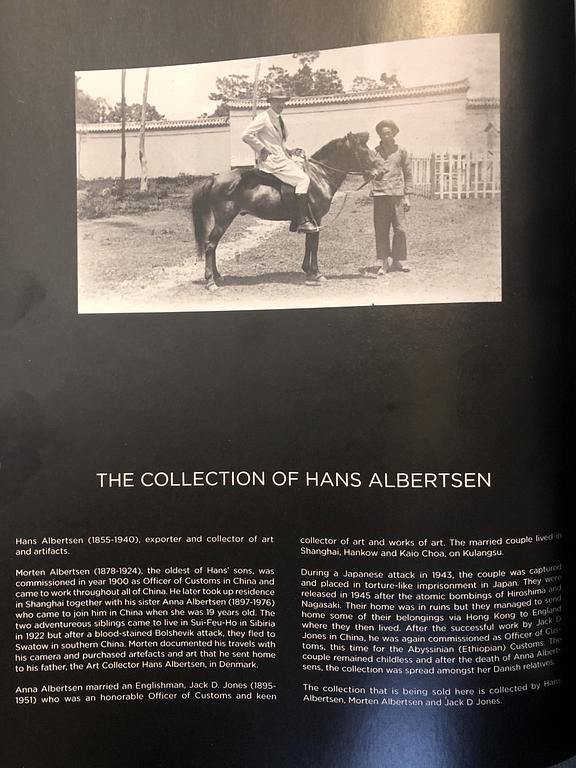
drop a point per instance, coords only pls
(209, 266)
(217, 275)
(211, 274)
(307, 254)
(313, 276)
(314, 254)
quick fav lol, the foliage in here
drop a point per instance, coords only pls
(368, 83)
(90, 110)
(327, 81)
(364, 83)
(389, 81)
(306, 57)
(100, 198)
(133, 113)
(232, 87)
(276, 77)
(304, 82)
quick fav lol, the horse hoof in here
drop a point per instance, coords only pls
(315, 279)
(211, 287)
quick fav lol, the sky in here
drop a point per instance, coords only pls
(181, 92)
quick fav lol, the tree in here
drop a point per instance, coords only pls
(304, 82)
(133, 113)
(361, 83)
(221, 110)
(122, 133)
(364, 83)
(255, 87)
(89, 110)
(142, 149)
(232, 87)
(306, 57)
(327, 81)
(255, 97)
(276, 77)
(389, 81)
(97, 110)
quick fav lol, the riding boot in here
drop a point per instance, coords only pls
(304, 224)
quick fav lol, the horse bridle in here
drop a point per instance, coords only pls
(341, 170)
(330, 168)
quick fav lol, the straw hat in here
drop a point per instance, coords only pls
(278, 94)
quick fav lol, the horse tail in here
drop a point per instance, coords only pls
(201, 209)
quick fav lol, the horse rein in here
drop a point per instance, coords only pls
(339, 170)
(330, 168)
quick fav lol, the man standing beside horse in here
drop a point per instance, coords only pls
(391, 186)
(267, 135)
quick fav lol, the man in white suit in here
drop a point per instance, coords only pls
(267, 134)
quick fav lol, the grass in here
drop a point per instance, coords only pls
(100, 198)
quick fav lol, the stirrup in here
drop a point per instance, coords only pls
(307, 227)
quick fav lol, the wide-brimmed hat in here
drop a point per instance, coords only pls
(279, 94)
(387, 124)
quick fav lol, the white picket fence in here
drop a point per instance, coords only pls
(457, 175)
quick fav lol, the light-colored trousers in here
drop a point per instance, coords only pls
(288, 171)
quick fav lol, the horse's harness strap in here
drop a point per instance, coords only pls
(338, 170)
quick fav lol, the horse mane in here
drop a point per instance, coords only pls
(327, 147)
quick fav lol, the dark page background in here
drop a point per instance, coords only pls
(481, 386)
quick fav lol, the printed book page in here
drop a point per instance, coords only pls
(286, 402)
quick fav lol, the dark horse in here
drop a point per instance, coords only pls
(218, 200)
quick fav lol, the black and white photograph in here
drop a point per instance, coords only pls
(287, 391)
(367, 175)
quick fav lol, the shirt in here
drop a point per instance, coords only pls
(393, 171)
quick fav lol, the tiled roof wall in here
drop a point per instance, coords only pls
(459, 86)
(376, 94)
(154, 125)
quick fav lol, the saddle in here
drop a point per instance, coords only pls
(253, 177)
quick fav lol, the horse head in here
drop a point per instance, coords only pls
(350, 154)
(362, 158)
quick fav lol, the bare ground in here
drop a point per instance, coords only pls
(147, 262)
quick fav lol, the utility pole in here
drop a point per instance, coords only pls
(142, 151)
(255, 97)
(123, 134)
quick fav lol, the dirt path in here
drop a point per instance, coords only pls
(147, 262)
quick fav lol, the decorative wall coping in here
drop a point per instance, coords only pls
(356, 97)
(153, 125)
(483, 102)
